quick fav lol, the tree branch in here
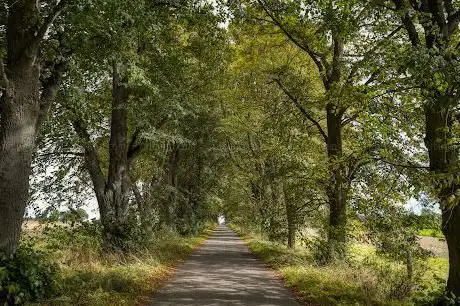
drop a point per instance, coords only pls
(303, 110)
(230, 154)
(305, 47)
(349, 120)
(79, 154)
(371, 52)
(373, 76)
(407, 166)
(92, 161)
(50, 89)
(316, 203)
(449, 7)
(407, 22)
(50, 19)
(4, 82)
(134, 148)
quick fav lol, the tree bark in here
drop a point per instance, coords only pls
(112, 194)
(17, 143)
(451, 229)
(439, 107)
(115, 221)
(443, 158)
(409, 265)
(93, 166)
(20, 114)
(336, 191)
(141, 204)
(291, 221)
(167, 208)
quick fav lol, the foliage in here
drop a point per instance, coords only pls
(431, 233)
(28, 275)
(364, 279)
(172, 78)
(51, 214)
(428, 219)
(83, 275)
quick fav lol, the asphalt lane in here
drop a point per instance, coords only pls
(224, 272)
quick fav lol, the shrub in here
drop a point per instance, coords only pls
(26, 276)
(320, 248)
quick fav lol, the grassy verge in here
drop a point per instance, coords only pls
(365, 279)
(90, 278)
(431, 233)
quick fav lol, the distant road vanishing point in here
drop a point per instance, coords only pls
(224, 272)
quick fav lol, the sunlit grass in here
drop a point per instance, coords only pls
(431, 233)
(364, 279)
(91, 278)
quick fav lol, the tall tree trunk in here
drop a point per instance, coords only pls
(336, 191)
(141, 204)
(409, 265)
(112, 194)
(439, 32)
(291, 221)
(443, 160)
(291, 216)
(168, 207)
(117, 190)
(93, 166)
(21, 113)
(451, 229)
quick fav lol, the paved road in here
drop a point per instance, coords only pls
(224, 272)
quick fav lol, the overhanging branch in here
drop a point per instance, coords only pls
(78, 154)
(407, 23)
(302, 110)
(50, 19)
(407, 166)
(305, 47)
(349, 119)
(371, 52)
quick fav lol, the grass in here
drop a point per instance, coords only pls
(431, 233)
(91, 278)
(365, 279)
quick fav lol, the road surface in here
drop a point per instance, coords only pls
(224, 272)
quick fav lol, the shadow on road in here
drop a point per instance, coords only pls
(224, 272)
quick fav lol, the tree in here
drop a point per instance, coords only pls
(155, 69)
(330, 34)
(275, 159)
(27, 92)
(431, 66)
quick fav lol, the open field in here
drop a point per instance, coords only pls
(437, 246)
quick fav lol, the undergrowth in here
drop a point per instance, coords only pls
(84, 275)
(363, 279)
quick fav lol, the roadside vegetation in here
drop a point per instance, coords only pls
(431, 232)
(363, 278)
(64, 265)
